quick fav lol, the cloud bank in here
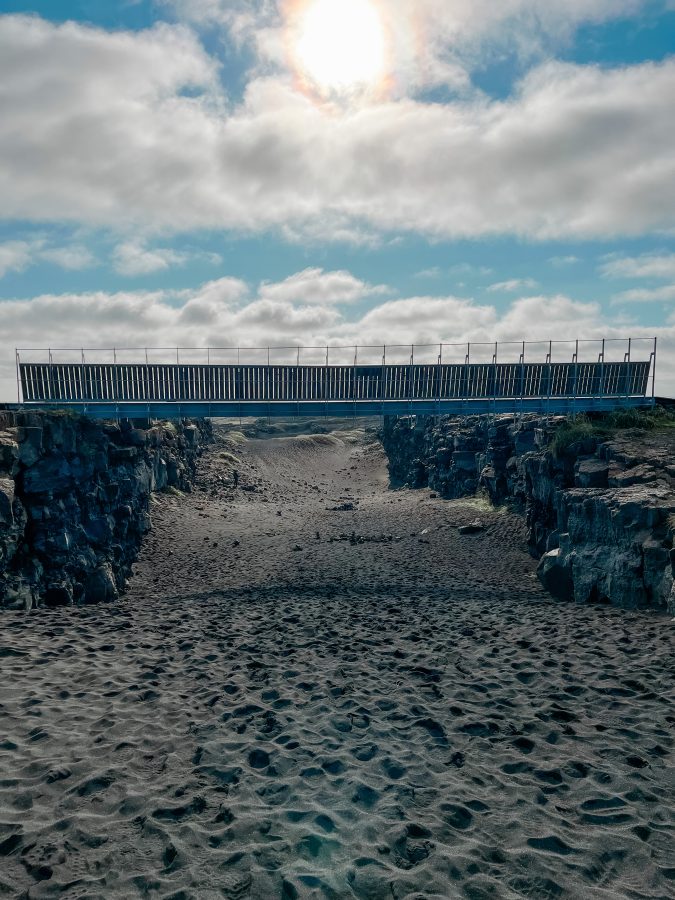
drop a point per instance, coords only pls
(133, 130)
(229, 313)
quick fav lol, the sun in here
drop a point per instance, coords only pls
(340, 46)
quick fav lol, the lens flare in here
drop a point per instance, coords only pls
(339, 46)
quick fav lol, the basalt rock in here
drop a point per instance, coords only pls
(74, 501)
(600, 516)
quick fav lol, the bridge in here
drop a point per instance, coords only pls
(555, 377)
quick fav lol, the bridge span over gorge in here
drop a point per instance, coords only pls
(552, 377)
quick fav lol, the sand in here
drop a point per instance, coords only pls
(301, 699)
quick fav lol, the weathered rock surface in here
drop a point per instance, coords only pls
(74, 502)
(601, 516)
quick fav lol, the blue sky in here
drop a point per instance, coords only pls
(209, 172)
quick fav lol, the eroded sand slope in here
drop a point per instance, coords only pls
(302, 701)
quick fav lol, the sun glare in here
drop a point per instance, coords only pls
(340, 46)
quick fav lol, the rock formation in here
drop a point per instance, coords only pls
(600, 512)
(74, 501)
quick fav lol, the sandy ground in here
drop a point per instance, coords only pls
(298, 700)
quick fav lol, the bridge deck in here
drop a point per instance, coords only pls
(148, 388)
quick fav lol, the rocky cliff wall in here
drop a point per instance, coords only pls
(74, 501)
(600, 512)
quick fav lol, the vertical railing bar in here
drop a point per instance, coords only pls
(627, 375)
(440, 376)
(383, 381)
(147, 379)
(522, 378)
(467, 363)
(51, 375)
(18, 377)
(575, 360)
(494, 379)
(81, 391)
(550, 375)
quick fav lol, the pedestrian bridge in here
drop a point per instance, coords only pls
(373, 381)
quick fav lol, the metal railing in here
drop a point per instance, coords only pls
(602, 374)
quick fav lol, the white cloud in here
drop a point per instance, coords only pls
(432, 42)
(514, 285)
(469, 270)
(561, 261)
(132, 258)
(15, 256)
(649, 265)
(664, 294)
(577, 152)
(72, 258)
(314, 286)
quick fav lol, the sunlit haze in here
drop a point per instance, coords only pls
(340, 45)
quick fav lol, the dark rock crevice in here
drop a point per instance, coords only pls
(75, 499)
(600, 515)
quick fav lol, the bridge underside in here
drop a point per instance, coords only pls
(340, 409)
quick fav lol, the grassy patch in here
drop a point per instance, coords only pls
(229, 458)
(480, 504)
(172, 491)
(604, 426)
(573, 431)
(236, 437)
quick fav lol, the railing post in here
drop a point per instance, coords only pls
(601, 360)
(467, 363)
(82, 374)
(522, 379)
(356, 359)
(297, 382)
(326, 384)
(575, 360)
(494, 379)
(51, 375)
(383, 380)
(627, 375)
(654, 373)
(18, 377)
(439, 378)
(549, 360)
(114, 375)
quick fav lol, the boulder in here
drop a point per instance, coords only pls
(9, 452)
(50, 475)
(555, 576)
(18, 595)
(59, 593)
(473, 528)
(30, 447)
(591, 473)
(100, 587)
(464, 460)
(6, 501)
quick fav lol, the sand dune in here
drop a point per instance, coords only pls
(318, 688)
